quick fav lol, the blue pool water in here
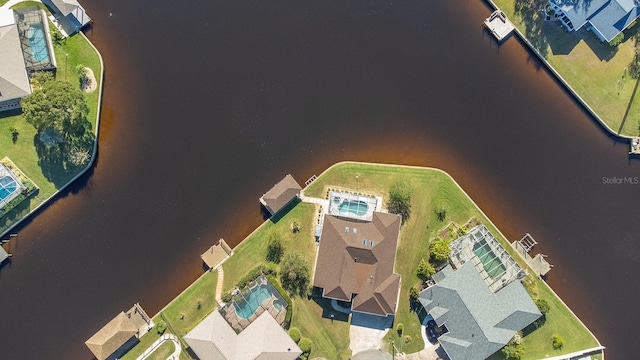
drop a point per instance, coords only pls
(38, 43)
(7, 187)
(245, 309)
(356, 207)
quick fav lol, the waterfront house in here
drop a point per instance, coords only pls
(25, 48)
(281, 194)
(214, 339)
(68, 13)
(120, 334)
(14, 80)
(605, 18)
(356, 262)
(481, 302)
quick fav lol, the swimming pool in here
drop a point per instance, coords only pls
(246, 307)
(7, 187)
(492, 265)
(356, 207)
(38, 43)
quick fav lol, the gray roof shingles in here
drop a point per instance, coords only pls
(14, 81)
(479, 322)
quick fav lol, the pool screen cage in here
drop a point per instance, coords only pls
(492, 261)
(33, 31)
(239, 323)
(6, 173)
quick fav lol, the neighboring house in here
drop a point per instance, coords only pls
(14, 80)
(263, 339)
(69, 13)
(482, 303)
(25, 48)
(281, 194)
(606, 18)
(120, 334)
(356, 262)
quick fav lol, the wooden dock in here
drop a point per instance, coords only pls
(538, 263)
(499, 25)
(634, 146)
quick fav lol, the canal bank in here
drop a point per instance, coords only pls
(43, 203)
(568, 87)
(380, 83)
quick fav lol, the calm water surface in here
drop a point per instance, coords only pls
(207, 104)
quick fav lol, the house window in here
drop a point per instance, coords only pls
(355, 231)
(371, 243)
(346, 229)
(364, 241)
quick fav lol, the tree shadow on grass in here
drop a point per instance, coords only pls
(532, 15)
(54, 161)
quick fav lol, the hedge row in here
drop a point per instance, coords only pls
(285, 296)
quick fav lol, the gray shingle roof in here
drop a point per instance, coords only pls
(479, 322)
(14, 81)
(607, 17)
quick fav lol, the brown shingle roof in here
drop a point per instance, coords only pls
(112, 336)
(281, 194)
(358, 258)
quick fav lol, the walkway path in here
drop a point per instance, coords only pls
(312, 200)
(219, 285)
(166, 337)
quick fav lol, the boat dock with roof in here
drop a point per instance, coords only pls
(499, 25)
(538, 263)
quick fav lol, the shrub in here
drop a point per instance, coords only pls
(161, 327)
(400, 329)
(275, 249)
(295, 274)
(413, 294)
(400, 200)
(441, 213)
(226, 297)
(425, 270)
(543, 306)
(295, 334)
(617, 40)
(305, 345)
(439, 249)
(557, 341)
(407, 339)
(514, 350)
(14, 134)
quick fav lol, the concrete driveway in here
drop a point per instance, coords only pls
(367, 331)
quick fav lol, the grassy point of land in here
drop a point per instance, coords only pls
(433, 189)
(597, 72)
(49, 177)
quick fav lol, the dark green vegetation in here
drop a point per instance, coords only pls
(50, 168)
(399, 200)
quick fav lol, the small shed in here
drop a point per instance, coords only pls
(281, 194)
(217, 254)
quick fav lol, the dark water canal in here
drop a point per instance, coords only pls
(208, 103)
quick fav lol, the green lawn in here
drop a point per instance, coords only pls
(431, 189)
(330, 339)
(48, 176)
(189, 308)
(163, 351)
(145, 341)
(591, 68)
(251, 252)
